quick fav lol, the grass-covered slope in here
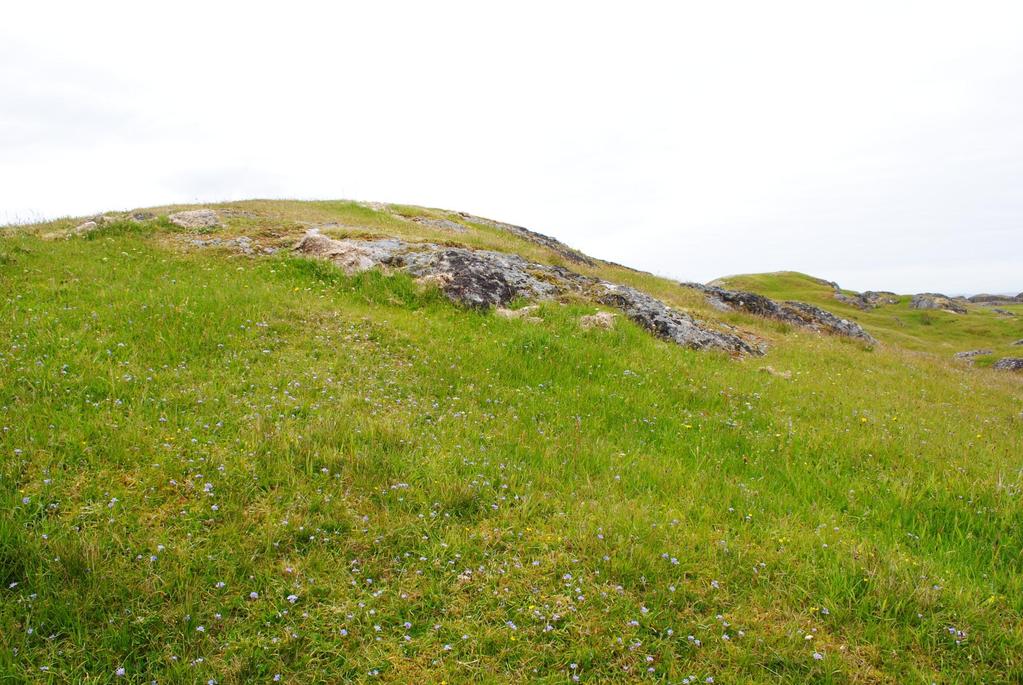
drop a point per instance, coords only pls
(223, 468)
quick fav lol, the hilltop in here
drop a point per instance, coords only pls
(274, 441)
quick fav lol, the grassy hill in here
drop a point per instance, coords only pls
(238, 468)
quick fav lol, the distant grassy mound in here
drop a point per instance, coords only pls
(222, 462)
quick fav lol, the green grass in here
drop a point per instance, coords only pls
(524, 497)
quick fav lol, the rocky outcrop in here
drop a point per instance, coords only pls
(196, 219)
(1018, 342)
(481, 278)
(970, 354)
(1002, 312)
(937, 301)
(1009, 364)
(484, 278)
(869, 299)
(796, 313)
(668, 323)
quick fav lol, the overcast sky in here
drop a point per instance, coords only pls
(876, 144)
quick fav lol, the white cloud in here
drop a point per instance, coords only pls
(877, 144)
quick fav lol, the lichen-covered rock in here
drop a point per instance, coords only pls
(668, 323)
(817, 319)
(479, 278)
(797, 313)
(937, 301)
(1009, 364)
(196, 219)
(970, 354)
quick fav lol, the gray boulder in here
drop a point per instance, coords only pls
(1009, 364)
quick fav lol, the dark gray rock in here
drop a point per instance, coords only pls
(668, 323)
(479, 278)
(937, 301)
(1003, 312)
(1009, 364)
(1018, 342)
(796, 313)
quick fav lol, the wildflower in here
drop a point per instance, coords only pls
(817, 656)
(200, 629)
(119, 672)
(292, 598)
(253, 595)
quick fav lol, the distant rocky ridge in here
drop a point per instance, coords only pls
(796, 313)
(485, 278)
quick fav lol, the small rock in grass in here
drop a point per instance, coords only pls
(87, 227)
(971, 353)
(775, 372)
(604, 320)
(526, 313)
